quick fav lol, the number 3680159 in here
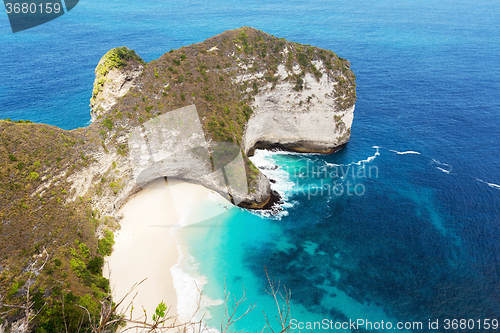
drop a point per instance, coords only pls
(32, 8)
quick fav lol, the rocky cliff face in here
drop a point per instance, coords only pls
(116, 84)
(306, 120)
(113, 80)
(174, 145)
(242, 88)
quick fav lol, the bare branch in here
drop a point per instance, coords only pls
(283, 316)
(231, 318)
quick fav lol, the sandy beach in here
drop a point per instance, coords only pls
(145, 247)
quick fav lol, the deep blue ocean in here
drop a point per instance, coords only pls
(418, 239)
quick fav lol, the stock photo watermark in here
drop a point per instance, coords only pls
(27, 14)
(370, 325)
(333, 180)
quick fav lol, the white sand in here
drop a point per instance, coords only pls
(195, 203)
(145, 247)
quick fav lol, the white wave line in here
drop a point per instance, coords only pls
(405, 152)
(371, 158)
(263, 159)
(489, 184)
(399, 152)
(368, 160)
(188, 284)
(494, 185)
(447, 170)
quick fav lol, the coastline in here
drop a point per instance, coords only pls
(146, 246)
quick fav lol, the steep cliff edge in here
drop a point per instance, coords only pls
(307, 104)
(302, 120)
(113, 80)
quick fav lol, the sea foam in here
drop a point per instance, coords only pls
(265, 162)
(366, 160)
(496, 186)
(405, 152)
(446, 168)
(192, 305)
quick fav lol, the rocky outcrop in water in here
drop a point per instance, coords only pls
(249, 89)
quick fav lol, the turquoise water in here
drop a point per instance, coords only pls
(422, 242)
(400, 252)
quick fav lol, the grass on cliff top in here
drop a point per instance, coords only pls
(116, 58)
(119, 58)
(38, 156)
(203, 74)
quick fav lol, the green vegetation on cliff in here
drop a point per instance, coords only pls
(115, 58)
(203, 74)
(38, 220)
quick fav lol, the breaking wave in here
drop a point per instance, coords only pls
(446, 168)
